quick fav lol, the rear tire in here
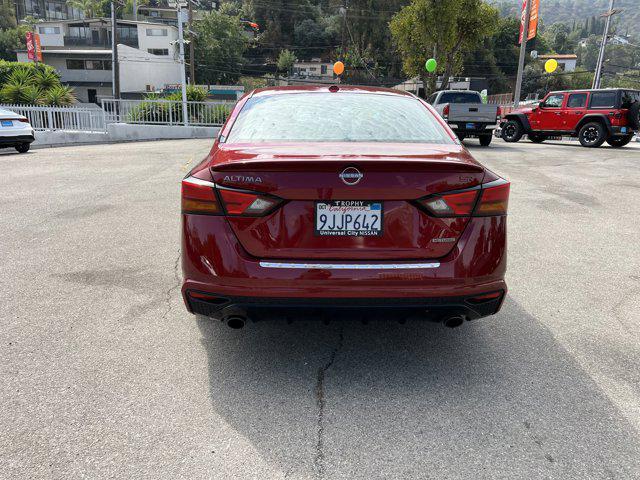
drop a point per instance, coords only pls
(535, 138)
(619, 142)
(592, 135)
(512, 131)
(23, 148)
(485, 140)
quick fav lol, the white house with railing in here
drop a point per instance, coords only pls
(80, 50)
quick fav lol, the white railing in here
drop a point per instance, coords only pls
(61, 118)
(166, 112)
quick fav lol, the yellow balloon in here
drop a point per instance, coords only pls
(338, 68)
(551, 65)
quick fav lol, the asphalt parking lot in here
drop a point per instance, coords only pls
(103, 374)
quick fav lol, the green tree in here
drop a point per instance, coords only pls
(536, 80)
(7, 15)
(444, 29)
(588, 54)
(496, 57)
(219, 47)
(286, 59)
(11, 40)
(369, 47)
(309, 37)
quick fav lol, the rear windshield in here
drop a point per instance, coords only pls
(460, 97)
(336, 117)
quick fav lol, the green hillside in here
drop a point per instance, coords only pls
(568, 11)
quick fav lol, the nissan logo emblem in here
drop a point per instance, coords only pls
(351, 175)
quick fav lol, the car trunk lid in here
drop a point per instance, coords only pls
(392, 175)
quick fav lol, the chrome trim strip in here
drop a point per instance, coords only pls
(198, 181)
(350, 266)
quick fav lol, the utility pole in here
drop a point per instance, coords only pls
(185, 119)
(343, 13)
(523, 53)
(135, 10)
(192, 60)
(115, 66)
(598, 75)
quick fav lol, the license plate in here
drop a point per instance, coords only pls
(471, 126)
(7, 123)
(348, 218)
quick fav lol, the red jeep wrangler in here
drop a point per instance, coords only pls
(594, 116)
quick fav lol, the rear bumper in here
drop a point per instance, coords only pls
(15, 140)
(434, 309)
(480, 129)
(214, 262)
(621, 131)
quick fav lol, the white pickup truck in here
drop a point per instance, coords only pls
(465, 113)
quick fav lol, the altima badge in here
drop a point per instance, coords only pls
(351, 175)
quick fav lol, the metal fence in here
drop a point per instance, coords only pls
(500, 99)
(166, 112)
(61, 118)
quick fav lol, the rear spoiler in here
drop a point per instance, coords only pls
(313, 164)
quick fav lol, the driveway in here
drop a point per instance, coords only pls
(103, 374)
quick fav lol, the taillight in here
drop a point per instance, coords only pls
(248, 204)
(499, 113)
(494, 199)
(489, 199)
(451, 205)
(199, 197)
(445, 112)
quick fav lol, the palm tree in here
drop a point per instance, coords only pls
(87, 7)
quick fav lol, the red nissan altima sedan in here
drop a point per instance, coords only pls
(342, 198)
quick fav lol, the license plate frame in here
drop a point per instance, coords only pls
(6, 123)
(354, 208)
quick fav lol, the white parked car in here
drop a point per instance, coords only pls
(15, 131)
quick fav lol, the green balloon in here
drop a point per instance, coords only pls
(431, 65)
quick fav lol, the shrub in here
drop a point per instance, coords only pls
(30, 84)
(59, 95)
(149, 112)
(159, 112)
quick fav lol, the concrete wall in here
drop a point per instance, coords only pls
(139, 69)
(148, 41)
(51, 39)
(123, 132)
(82, 93)
(59, 62)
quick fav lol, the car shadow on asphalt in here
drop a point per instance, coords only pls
(496, 398)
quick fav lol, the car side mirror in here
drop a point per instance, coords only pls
(541, 105)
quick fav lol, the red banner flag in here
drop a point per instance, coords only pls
(38, 49)
(533, 19)
(31, 48)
